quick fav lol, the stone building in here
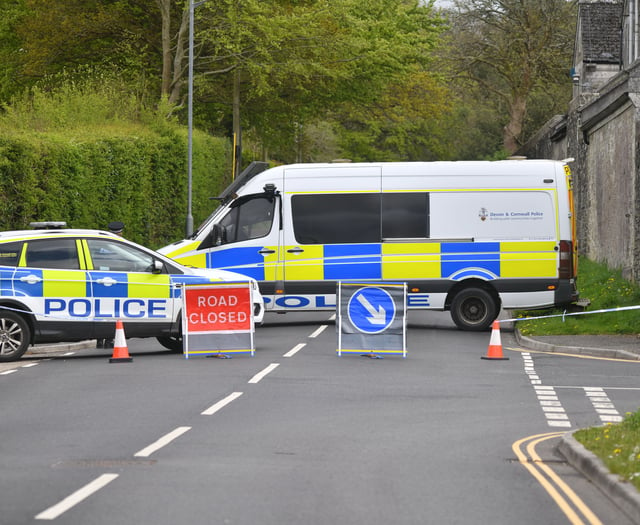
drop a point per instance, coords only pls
(601, 131)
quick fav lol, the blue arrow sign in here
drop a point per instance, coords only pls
(371, 310)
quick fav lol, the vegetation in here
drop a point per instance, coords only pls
(307, 80)
(606, 289)
(89, 88)
(618, 446)
(82, 153)
(515, 52)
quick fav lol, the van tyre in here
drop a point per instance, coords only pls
(15, 336)
(474, 309)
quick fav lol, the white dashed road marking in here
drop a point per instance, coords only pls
(78, 496)
(221, 404)
(163, 441)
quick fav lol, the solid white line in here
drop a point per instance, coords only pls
(164, 440)
(79, 495)
(295, 350)
(221, 404)
(318, 331)
(256, 378)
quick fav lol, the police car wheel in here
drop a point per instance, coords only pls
(15, 335)
(473, 309)
(173, 343)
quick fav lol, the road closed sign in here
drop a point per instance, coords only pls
(217, 319)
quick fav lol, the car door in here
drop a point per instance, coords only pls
(126, 285)
(52, 282)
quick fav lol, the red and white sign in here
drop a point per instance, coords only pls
(217, 319)
(218, 308)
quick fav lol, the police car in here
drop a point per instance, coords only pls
(72, 285)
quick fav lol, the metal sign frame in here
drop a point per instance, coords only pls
(371, 318)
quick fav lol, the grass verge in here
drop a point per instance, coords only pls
(605, 289)
(617, 445)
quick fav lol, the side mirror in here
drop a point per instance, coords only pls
(157, 266)
(218, 235)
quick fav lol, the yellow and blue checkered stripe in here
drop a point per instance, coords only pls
(393, 261)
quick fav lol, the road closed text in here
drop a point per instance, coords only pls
(212, 318)
(218, 308)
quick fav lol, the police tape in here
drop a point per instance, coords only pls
(568, 314)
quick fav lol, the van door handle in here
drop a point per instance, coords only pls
(107, 281)
(31, 279)
(266, 251)
(295, 250)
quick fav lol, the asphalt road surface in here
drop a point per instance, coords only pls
(297, 435)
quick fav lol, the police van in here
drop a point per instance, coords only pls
(72, 285)
(470, 237)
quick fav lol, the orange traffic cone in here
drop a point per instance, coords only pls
(495, 344)
(120, 350)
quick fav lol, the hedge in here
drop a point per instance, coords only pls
(139, 178)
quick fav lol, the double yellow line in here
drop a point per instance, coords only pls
(566, 499)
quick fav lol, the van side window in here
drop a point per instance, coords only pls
(405, 215)
(250, 219)
(336, 218)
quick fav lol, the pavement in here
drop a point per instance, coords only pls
(626, 347)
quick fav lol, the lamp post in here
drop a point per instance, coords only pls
(189, 227)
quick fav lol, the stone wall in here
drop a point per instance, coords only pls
(601, 132)
(608, 186)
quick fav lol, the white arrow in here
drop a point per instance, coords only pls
(378, 317)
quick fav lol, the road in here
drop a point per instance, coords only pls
(296, 434)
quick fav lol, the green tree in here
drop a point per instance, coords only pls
(517, 50)
(288, 63)
(11, 51)
(410, 121)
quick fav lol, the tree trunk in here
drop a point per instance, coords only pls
(180, 58)
(237, 130)
(513, 129)
(165, 12)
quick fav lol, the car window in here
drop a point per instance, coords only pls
(10, 253)
(116, 256)
(58, 253)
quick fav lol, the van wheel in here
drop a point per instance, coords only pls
(173, 343)
(473, 309)
(15, 336)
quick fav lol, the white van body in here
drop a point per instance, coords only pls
(470, 237)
